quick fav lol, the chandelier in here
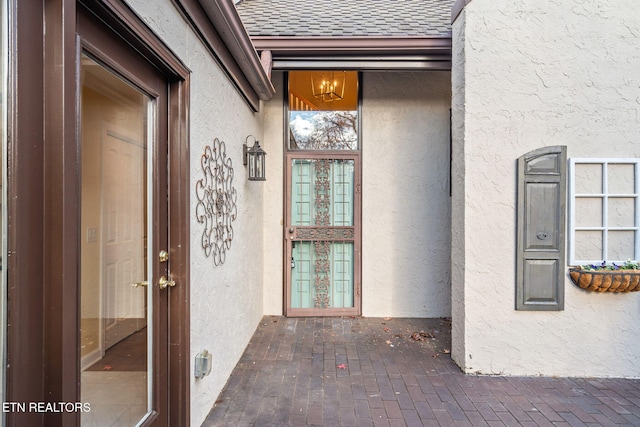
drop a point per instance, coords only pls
(328, 86)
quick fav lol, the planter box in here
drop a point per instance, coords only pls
(606, 280)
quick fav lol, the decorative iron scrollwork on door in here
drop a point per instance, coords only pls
(322, 249)
(322, 268)
(216, 207)
(324, 233)
(321, 233)
(323, 192)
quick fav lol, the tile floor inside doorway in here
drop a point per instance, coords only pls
(117, 398)
(116, 385)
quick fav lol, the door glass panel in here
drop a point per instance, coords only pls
(323, 110)
(322, 192)
(322, 274)
(322, 233)
(115, 298)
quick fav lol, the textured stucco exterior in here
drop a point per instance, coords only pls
(274, 199)
(527, 75)
(405, 195)
(458, 197)
(226, 300)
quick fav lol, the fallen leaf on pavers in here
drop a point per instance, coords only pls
(388, 318)
(387, 329)
(435, 355)
(446, 351)
(388, 342)
(399, 336)
(341, 366)
(417, 337)
(421, 336)
(107, 368)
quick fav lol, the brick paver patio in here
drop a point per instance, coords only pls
(398, 372)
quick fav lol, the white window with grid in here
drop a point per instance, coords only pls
(604, 209)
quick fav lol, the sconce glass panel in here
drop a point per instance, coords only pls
(255, 159)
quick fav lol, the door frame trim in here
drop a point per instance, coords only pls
(125, 22)
(25, 358)
(43, 231)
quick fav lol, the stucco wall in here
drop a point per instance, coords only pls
(405, 195)
(274, 199)
(226, 301)
(529, 74)
(458, 197)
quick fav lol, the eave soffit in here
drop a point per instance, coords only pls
(219, 26)
(357, 52)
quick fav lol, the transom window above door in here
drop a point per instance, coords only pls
(323, 110)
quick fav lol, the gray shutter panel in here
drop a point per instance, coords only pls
(542, 179)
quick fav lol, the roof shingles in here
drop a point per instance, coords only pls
(346, 18)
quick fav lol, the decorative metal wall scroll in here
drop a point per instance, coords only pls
(216, 207)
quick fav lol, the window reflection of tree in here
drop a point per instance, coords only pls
(332, 130)
(293, 142)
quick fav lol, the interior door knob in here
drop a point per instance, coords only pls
(138, 284)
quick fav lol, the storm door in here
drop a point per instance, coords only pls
(323, 200)
(117, 136)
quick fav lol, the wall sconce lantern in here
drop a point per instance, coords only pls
(255, 158)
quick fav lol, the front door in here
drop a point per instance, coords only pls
(323, 200)
(124, 256)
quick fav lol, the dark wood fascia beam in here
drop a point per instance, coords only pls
(457, 8)
(227, 22)
(353, 46)
(267, 62)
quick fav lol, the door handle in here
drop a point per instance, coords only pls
(138, 284)
(164, 283)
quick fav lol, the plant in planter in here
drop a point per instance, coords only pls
(607, 277)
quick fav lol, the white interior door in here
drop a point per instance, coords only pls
(123, 222)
